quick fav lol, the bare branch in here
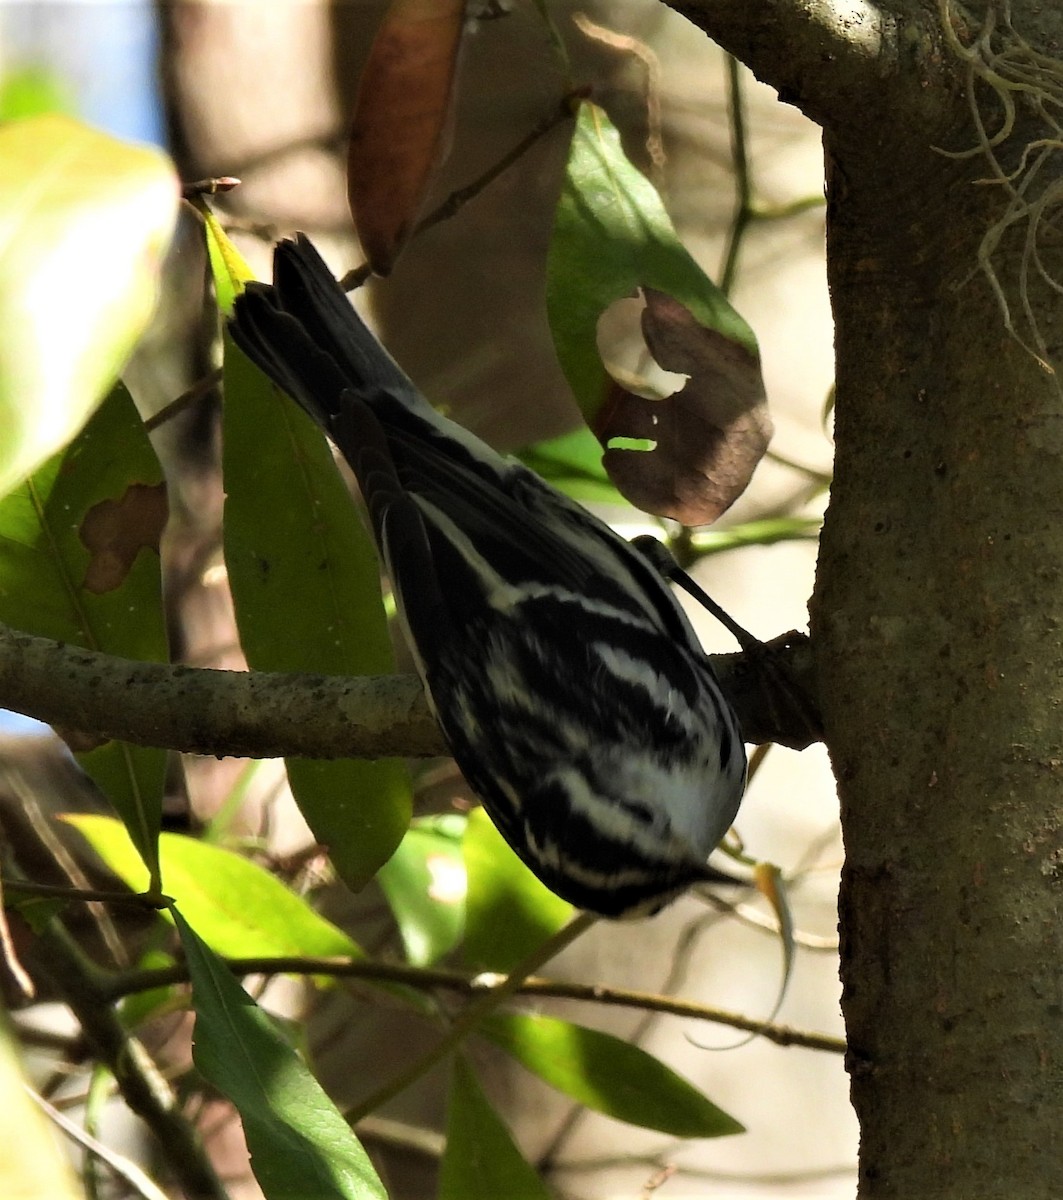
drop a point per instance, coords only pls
(252, 714)
(258, 714)
(433, 979)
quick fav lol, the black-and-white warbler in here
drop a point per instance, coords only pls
(564, 675)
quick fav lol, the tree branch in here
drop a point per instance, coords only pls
(258, 714)
(827, 56)
(244, 714)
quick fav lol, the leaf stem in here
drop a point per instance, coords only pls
(147, 899)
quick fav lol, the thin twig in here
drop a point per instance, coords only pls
(747, 208)
(202, 387)
(744, 211)
(747, 915)
(821, 479)
(17, 973)
(789, 208)
(209, 187)
(99, 1092)
(411, 1139)
(760, 1179)
(128, 982)
(122, 1167)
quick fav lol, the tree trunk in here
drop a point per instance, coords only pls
(937, 608)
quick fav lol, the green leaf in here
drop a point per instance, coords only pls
(608, 1075)
(573, 464)
(79, 563)
(611, 237)
(481, 1160)
(84, 222)
(241, 910)
(508, 912)
(306, 586)
(424, 881)
(300, 1145)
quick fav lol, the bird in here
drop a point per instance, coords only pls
(564, 675)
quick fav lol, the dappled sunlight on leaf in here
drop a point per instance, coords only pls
(608, 1075)
(239, 908)
(508, 911)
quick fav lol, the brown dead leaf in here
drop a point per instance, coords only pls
(115, 531)
(709, 436)
(400, 119)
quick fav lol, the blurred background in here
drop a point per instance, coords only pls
(264, 92)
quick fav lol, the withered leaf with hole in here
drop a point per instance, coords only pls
(709, 436)
(400, 122)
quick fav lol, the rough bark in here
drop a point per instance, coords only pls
(94, 697)
(937, 614)
(937, 611)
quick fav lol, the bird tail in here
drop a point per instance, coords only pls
(303, 332)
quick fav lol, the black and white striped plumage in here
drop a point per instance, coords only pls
(564, 675)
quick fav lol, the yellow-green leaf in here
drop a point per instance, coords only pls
(84, 222)
(79, 563)
(239, 908)
(424, 881)
(228, 266)
(306, 586)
